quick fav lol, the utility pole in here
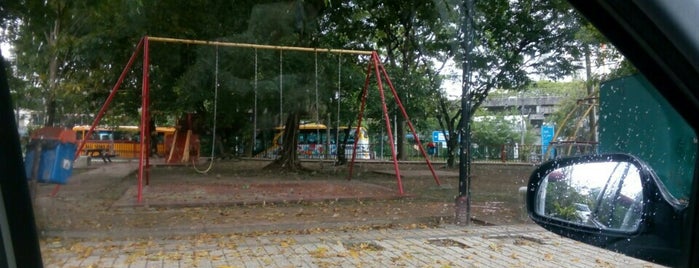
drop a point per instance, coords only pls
(463, 201)
(523, 122)
(590, 88)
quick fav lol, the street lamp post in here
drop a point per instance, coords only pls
(463, 201)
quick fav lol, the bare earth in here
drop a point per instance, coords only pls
(239, 196)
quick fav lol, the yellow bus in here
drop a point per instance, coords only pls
(313, 141)
(122, 141)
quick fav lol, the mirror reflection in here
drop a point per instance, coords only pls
(606, 195)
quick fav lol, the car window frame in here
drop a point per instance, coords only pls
(662, 48)
(619, 20)
(17, 208)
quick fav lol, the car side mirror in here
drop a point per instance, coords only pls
(606, 195)
(613, 201)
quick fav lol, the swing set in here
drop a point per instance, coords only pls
(374, 68)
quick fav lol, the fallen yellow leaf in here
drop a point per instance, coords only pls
(320, 252)
(548, 256)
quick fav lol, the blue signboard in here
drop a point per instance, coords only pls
(438, 136)
(547, 132)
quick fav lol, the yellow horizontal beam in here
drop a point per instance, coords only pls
(245, 45)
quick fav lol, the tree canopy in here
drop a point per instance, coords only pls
(72, 52)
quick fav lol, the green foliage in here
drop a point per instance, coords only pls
(566, 212)
(513, 40)
(561, 199)
(550, 88)
(409, 35)
(493, 129)
(572, 89)
(625, 69)
(570, 117)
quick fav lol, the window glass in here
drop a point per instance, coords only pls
(227, 75)
(636, 119)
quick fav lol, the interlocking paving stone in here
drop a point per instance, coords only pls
(471, 246)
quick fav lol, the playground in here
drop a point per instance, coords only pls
(184, 191)
(240, 196)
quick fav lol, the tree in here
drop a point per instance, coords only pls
(492, 130)
(298, 27)
(597, 56)
(568, 118)
(44, 33)
(409, 34)
(94, 40)
(513, 40)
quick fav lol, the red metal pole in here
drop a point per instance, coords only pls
(144, 119)
(410, 124)
(359, 124)
(105, 106)
(359, 119)
(375, 60)
(110, 97)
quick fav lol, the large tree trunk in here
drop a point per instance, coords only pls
(400, 138)
(452, 144)
(53, 76)
(449, 124)
(288, 159)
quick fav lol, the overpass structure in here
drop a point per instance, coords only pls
(534, 109)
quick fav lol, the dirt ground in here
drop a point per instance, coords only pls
(240, 196)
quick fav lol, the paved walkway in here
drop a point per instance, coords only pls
(447, 246)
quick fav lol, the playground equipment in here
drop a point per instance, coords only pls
(374, 68)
